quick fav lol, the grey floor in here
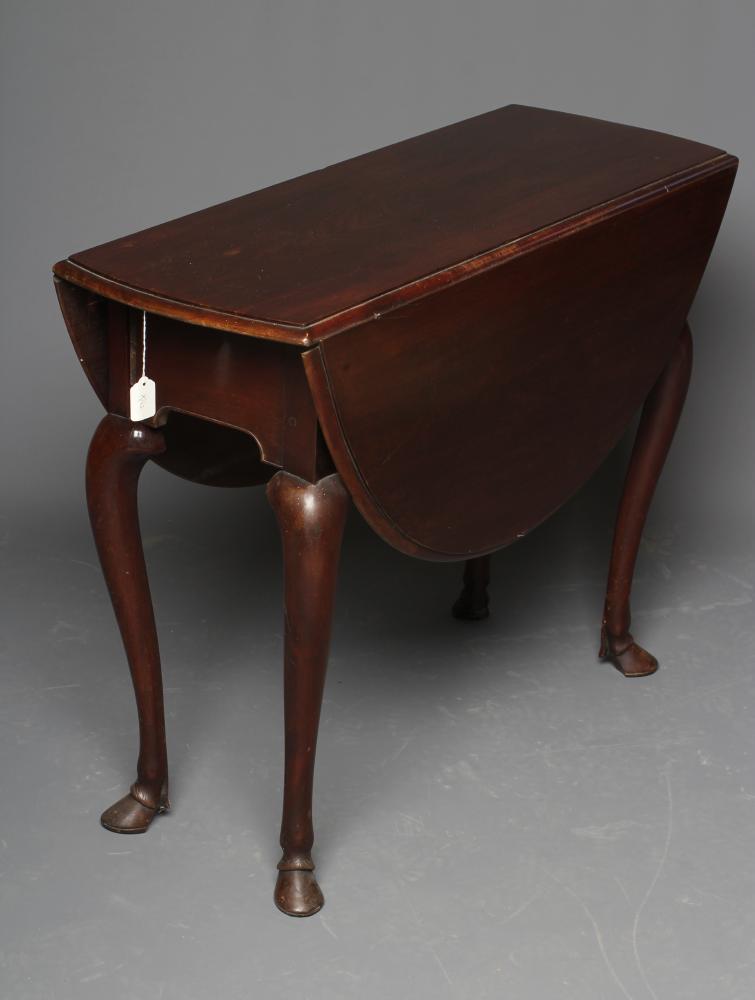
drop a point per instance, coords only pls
(497, 813)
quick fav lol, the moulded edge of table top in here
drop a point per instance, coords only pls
(306, 335)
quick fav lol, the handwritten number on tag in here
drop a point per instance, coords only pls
(142, 399)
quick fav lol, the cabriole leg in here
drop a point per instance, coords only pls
(472, 604)
(117, 454)
(311, 518)
(654, 435)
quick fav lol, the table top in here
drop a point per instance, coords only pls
(309, 257)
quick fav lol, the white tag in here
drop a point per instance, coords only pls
(142, 399)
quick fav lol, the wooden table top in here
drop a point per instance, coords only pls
(301, 260)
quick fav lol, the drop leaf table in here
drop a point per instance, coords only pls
(452, 331)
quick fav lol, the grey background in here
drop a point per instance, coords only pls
(496, 813)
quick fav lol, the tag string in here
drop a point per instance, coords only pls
(144, 343)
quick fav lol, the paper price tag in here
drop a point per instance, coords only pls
(142, 399)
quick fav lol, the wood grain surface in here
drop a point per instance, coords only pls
(462, 420)
(313, 255)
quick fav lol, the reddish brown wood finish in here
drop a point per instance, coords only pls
(454, 330)
(117, 455)
(210, 453)
(311, 518)
(655, 433)
(234, 409)
(462, 420)
(85, 316)
(314, 255)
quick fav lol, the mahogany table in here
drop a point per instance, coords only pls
(453, 332)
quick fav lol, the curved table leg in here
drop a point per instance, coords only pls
(472, 604)
(311, 518)
(660, 416)
(117, 454)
